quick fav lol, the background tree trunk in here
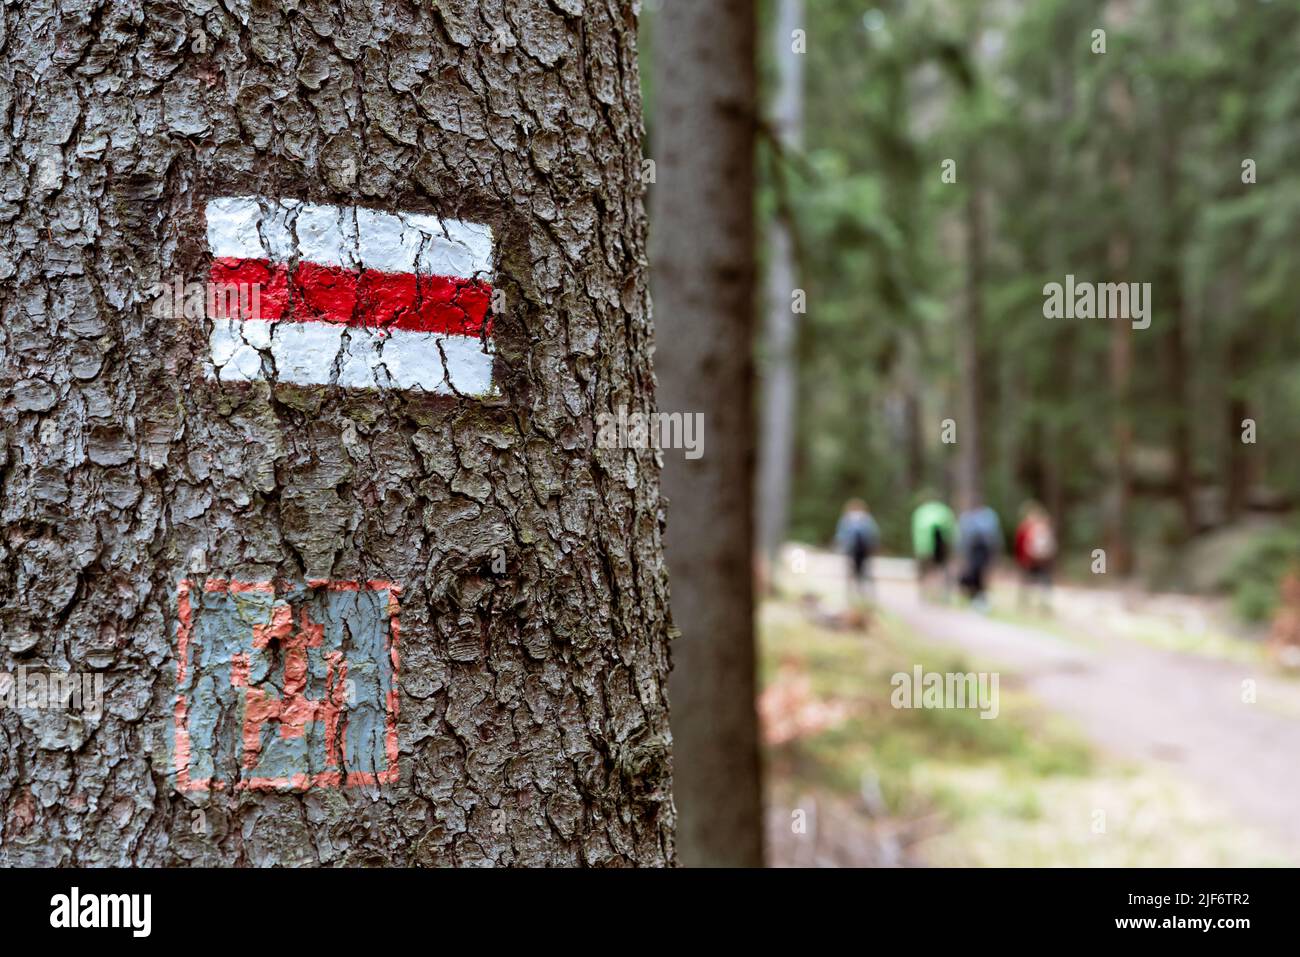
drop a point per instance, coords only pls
(780, 386)
(970, 423)
(1119, 541)
(702, 247)
(1061, 448)
(1119, 544)
(1237, 460)
(1237, 358)
(1170, 281)
(533, 656)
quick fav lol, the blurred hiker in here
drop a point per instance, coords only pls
(1035, 550)
(980, 535)
(858, 536)
(934, 535)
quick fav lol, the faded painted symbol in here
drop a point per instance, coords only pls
(286, 687)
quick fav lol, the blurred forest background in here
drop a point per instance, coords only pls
(923, 169)
(1122, 166)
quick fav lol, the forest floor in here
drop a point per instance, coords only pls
(1126, 733)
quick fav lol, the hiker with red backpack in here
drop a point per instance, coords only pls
(1035, 548)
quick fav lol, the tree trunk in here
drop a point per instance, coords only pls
(1239, 460)
(1061, 447)
(776, 447)
(1239, 457)
(1179, 374)
(466, 599)
(1119, 543)
(1061, 452)
(1177, 365)
(915, 473)
(702, 234)
(970, 434)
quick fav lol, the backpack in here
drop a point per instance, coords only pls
(860, 544)
(1040, 543)
(940, 546)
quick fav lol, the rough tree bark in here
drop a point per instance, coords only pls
(531, 692)
(702, 250)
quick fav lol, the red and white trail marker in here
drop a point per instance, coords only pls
(352, 297)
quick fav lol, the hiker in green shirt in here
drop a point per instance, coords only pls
(934, 534)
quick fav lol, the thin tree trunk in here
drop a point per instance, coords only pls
(1119, 541)
(491, 583)
(915, 474)
(1061, 450)
(1119, 531)
(780, 383)
(1178, 371)
(970, 435)
(1240, 456)
(1239, 459)
(1171, 286)
(702, 234)
(1061, 447)
(1008, 432)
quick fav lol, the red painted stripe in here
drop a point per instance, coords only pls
(315, 293)
(272, 281)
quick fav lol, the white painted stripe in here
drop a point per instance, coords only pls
(317, 353)
(232, 228)
(448, 247)
(246, 227)
(326, 235)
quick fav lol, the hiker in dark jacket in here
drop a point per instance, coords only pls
(980, 536)
(858, 536)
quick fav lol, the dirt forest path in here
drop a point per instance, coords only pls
(1184, 711)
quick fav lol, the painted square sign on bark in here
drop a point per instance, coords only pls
(351, 297)
(286, 687)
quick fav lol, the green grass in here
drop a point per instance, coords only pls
(1211, 643)
(1253, 578)
(1153, 630)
